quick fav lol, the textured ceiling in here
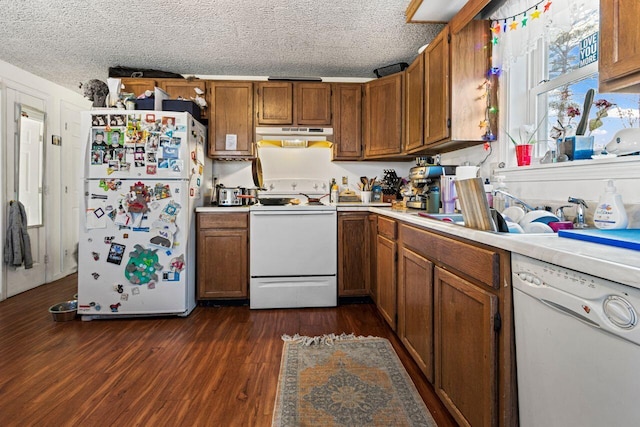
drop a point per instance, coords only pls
(69, 41)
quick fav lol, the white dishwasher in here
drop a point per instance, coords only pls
(577, 347)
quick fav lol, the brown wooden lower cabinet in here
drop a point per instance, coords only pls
(454, 318)
(386, 257)
(415, 308)
(223, 254)
(466, 353)
(353, 254)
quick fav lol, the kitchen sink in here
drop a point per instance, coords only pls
(458, 219)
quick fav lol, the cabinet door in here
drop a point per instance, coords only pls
(181, 88)
(313, 104)
(222, 263)
(414, 108)
(353, 254)
(373, 241)
(383, 127)
(436, 85)
(619, 62)
(415, 308)
(347, 122)
(386, 279)
(231, 114)
(465, 349)
(137, 86)
(274, 103)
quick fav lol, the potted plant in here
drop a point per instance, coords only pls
(524, 144)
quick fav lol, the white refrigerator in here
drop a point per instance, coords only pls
(142, 180)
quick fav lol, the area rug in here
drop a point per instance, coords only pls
(344, 380)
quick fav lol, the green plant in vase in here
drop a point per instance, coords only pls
(524, 144)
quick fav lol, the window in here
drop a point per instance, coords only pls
(566, 68)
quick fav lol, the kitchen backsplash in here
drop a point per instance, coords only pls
(309, 163)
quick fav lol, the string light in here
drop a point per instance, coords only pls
(499, 25)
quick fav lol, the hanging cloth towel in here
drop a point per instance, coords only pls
(17, 247)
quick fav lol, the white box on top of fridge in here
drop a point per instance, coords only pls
(142, 180)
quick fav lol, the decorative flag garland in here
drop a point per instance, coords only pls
(519, 20)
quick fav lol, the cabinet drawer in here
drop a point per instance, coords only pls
(478, 263)
(223, 220)
(387, 228)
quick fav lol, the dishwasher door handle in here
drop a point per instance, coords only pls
(570, 312)
(561, 301)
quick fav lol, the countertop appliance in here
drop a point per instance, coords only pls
(293, 251)
(577, 347)
(425, 181)
(229, 196)
(142, 177)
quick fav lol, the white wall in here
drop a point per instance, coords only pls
(17, 85)
(310, 163)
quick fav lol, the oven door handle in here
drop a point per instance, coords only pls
(293, 213)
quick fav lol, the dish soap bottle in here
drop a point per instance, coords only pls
(610, 213)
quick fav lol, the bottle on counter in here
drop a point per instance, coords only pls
(334, 191)
(610, 213)
(500, 202)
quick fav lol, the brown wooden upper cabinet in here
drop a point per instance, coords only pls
(454, 100)
(313, 104)
(619, 63)
(230, 119)
(347, 121)
(274, 104)
(414, 105)
(184, 89)
(277, 105)
(383, 116)
(137, 86)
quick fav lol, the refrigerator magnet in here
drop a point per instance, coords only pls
(95, 275)
(124, 297)
(175, 165)
(95, 255)
(118, 120)
(170, 276)
(152, 169)
(135, 291)
(116, 252)
(151, 285)
(99, 120)
(177, 263)
(114, 307)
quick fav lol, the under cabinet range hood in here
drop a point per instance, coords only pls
(294, 137)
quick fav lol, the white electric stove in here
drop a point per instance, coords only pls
(293, 251)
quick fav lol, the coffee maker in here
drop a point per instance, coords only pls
(425, 184)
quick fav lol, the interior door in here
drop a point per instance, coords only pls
(70, 189)
(24, 168)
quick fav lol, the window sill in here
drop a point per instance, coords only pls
(627, 167)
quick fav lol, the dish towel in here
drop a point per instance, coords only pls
(17, 247)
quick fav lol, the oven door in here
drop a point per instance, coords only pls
(293, 243)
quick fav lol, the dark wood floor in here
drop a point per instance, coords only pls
(218, 367)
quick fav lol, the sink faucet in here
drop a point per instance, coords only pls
(580, 207)
(526, 207)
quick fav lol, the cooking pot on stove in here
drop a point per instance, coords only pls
(229, 196)
(252, 194)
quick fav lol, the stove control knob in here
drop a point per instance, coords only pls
(620, 312)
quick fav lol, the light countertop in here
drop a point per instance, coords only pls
(609, 262)
(612, 263)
